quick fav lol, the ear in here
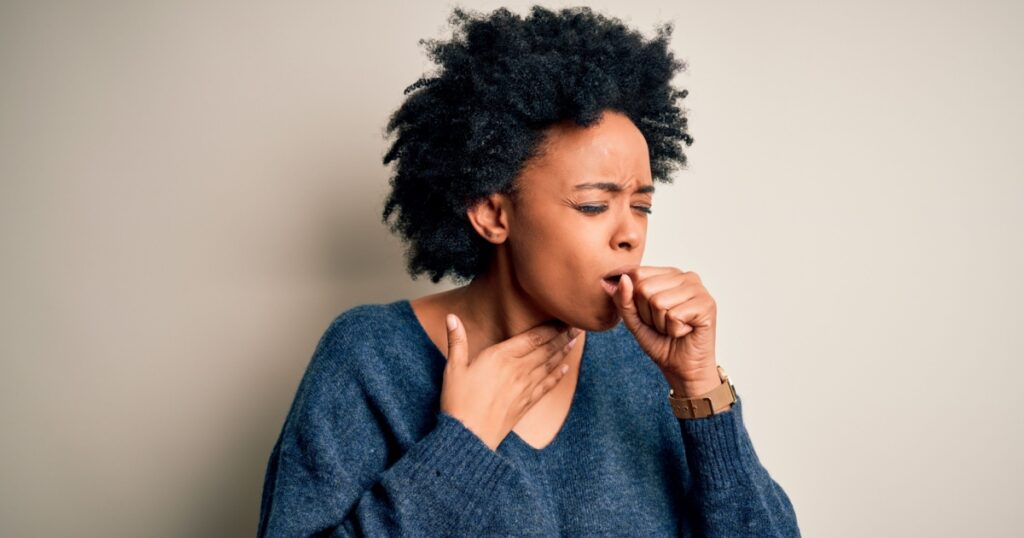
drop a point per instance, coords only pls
(489, 216)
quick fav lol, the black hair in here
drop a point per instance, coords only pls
(467, 130)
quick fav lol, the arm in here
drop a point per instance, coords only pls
(328, 473)
(734, 496)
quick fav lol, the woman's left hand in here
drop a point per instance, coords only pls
(672, 316)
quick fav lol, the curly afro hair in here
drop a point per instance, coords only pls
(469, 129)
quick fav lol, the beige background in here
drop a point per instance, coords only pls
(191, 192)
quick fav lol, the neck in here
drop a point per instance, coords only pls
(495, 307)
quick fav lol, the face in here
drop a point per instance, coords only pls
(582, 212)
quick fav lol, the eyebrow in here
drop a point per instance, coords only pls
(611, 187)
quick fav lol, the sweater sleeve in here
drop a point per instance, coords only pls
(734, 496)
(328, 472)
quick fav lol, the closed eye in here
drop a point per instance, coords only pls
(595, 209)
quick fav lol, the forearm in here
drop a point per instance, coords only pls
(733, 493)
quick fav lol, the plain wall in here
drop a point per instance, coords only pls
(191, 192)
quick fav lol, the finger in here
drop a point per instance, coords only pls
(650, 286)
(688, 316)
(546, 361)
(643, 309)
(557, 345)
(536, 337)
(676, 328)
(547, 383)
(636, 276)
(644, 272)
(458, 349)
(664, 300)
(623, 299)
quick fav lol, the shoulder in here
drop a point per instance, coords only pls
(341, 389)
(356, 339)
(369, 367)
(364, 317)
(368, 325)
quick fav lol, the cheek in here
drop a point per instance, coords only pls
(562, 250)
(562, 271)
(561, 275)
(550, 262)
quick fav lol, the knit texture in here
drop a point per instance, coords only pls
(366, 451)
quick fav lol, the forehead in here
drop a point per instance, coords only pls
(612, 149)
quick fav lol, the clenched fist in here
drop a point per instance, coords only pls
(672, 316)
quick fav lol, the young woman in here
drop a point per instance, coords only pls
(565, 389)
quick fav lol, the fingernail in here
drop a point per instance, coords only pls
(573, 332)
(451, 321)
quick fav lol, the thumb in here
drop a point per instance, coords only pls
(623, 299)
(458, 353)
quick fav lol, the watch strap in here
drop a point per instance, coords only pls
(704, 405)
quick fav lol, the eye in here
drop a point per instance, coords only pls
(591, 209)
(595, 209)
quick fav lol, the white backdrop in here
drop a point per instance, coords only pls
(191, 191)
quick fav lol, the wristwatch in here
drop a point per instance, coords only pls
(705, 404)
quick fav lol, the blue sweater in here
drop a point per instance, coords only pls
(366, 451)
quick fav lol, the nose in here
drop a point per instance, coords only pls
(629, 233)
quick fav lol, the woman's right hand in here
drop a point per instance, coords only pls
(490, 394)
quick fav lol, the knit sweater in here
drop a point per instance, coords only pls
(366, 451)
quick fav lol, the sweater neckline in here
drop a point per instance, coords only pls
(568, 425)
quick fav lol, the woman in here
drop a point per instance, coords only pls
(534, 400)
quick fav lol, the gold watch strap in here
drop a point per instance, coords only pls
(705, 404)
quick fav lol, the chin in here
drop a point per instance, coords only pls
(600, 319)
(610, 324)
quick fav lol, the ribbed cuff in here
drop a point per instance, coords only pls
(456, 472)
(719, 451)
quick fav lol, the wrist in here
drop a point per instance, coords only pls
(700, 395)
(694, 385)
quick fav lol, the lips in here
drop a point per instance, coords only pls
(610, 280)
(618, 271)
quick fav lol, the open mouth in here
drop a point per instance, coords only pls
(611, 283)
(611, 280)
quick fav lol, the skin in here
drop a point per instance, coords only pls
(551, 255)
